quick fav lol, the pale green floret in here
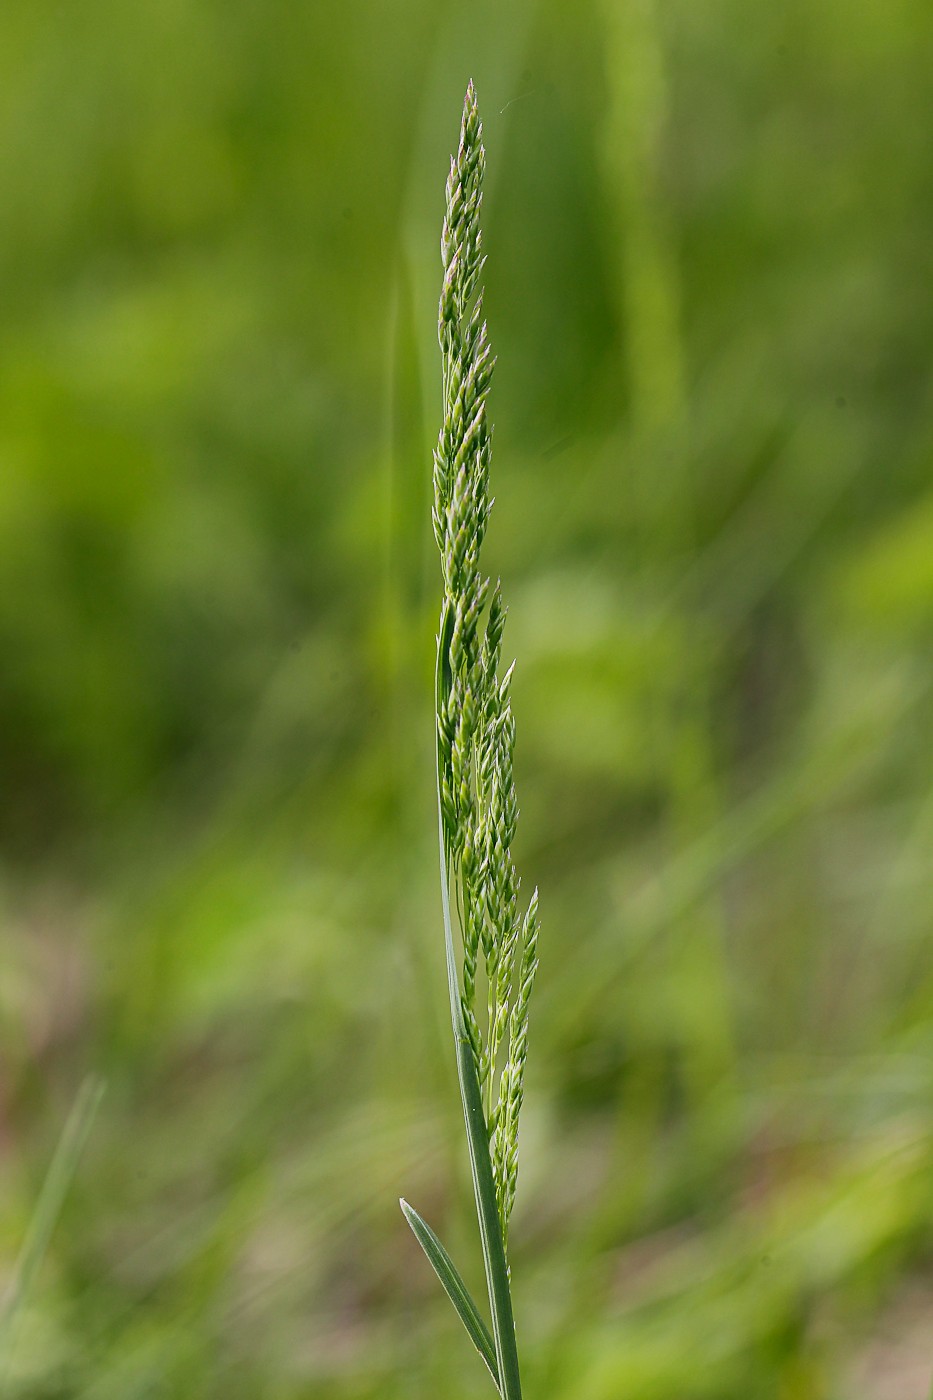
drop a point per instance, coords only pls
(475, 725)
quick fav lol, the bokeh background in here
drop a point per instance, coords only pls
(710, 256)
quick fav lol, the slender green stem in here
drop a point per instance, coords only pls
(497, 1272)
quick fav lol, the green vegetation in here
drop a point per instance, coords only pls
(477, 809)
(709, 227)
(48, 1206)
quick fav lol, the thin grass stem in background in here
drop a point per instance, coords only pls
(48, 1208)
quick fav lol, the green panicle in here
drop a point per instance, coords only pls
(475, 725)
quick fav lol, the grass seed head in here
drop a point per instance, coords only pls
(475, 724)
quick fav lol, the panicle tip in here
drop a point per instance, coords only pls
(471, 131)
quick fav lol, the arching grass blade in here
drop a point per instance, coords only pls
(454, 1287)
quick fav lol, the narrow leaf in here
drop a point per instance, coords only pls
(454, 1287)
(48, 1207)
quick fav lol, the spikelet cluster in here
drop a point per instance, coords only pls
(475, 725)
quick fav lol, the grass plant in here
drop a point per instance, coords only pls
(713, 463)
(476, 802)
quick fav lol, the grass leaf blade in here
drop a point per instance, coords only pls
(454, 1287)
(48, 1207)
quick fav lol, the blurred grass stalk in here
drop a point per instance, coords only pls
(48, 1208)
(647, 285)
(647, 279)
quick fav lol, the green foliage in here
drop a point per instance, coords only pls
(218, 384)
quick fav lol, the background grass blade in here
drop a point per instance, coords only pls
(48, 1207)
(454, 1287)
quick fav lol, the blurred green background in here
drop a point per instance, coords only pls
(708, 230)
